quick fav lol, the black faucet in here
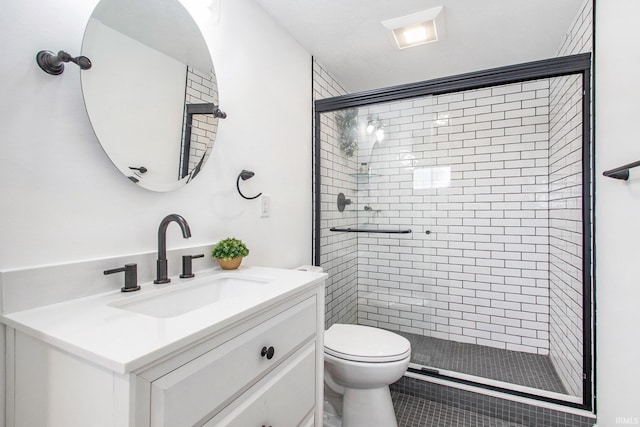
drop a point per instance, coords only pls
(161, 263)
(130, 277)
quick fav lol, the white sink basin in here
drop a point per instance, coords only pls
(180, 299)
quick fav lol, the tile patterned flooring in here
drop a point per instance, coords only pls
(531, 370)
(427, 404)
(416, 412)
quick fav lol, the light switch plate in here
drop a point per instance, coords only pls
(265, 206)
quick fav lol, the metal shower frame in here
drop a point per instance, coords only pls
(548, 68)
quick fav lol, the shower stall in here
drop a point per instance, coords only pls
(457, 213)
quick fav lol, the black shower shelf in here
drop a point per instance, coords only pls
(621, 172)
(369, 230)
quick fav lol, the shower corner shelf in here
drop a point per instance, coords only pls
(364, 176)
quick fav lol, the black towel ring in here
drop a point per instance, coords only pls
(245, 175)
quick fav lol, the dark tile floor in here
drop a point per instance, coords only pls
(415, 412)
(459, 407)
(530, 370)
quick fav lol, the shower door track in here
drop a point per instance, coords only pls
(555, 67)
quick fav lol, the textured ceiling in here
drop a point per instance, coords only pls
(346, 36)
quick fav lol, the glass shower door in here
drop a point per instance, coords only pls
(397, 181)
(456, 221)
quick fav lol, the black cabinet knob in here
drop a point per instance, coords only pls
(269, 352)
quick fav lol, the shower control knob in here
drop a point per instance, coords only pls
(269, 352)
(427, 232)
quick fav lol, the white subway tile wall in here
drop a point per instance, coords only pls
(471, 168)
(565, 212)
(578, 38)
(200, 89)
(338, 253)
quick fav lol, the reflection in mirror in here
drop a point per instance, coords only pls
(151, 95)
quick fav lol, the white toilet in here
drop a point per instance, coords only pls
(360, 362)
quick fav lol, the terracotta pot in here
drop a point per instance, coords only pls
(230, 264)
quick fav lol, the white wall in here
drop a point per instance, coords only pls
(62, 199)
(617, 212)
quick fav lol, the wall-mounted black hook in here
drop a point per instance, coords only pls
(141, 169)
(54, 64)
(219, 113)
(245, 175)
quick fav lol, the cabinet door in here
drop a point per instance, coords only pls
(202, 387)
(284, 399)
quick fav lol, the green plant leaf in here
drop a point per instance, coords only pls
(347, 123)
(229, 248)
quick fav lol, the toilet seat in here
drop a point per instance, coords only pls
(365, 344)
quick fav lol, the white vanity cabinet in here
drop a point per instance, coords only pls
(263, 369)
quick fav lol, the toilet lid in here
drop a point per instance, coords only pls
(365, 344)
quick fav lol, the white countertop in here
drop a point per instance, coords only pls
(124, 341)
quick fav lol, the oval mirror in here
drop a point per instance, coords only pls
(151, 94)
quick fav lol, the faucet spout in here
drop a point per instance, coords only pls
(161, 263)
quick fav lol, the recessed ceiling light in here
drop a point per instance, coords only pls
(415, 29)
(415, 34)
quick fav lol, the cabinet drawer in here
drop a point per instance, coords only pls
(285, 398)
(200, 388)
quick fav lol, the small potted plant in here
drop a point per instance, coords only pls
(229, 253)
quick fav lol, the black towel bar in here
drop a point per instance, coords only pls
(622, 172)
(369, 230)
